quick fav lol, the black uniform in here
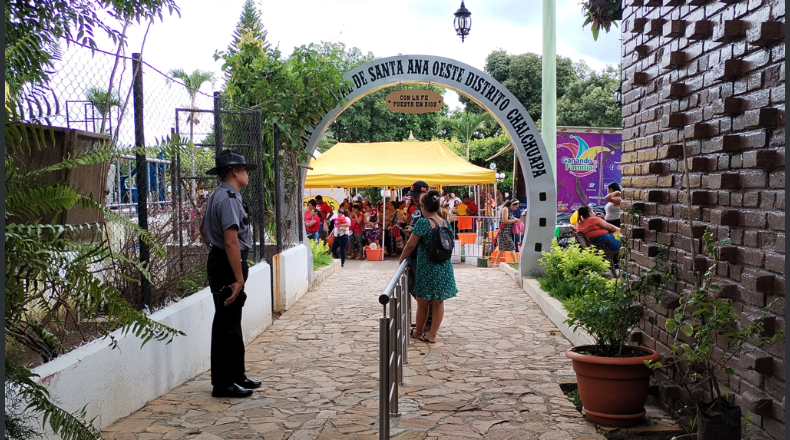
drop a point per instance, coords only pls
(225, 209)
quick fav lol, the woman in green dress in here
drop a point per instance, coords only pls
(435, 282)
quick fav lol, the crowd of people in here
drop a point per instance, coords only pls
(358, 225)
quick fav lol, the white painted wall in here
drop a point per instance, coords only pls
(291, 276)
(115, 383)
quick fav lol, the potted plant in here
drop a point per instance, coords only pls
(612, 376)
(707, 334)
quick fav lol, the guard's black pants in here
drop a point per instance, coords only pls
(227, 341)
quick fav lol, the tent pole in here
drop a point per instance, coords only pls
(383, 220)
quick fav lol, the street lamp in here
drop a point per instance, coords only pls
(618, 95)
(463, 21)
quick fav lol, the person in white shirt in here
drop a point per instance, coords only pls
(612, 208)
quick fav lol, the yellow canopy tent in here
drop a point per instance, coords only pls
(393, 164)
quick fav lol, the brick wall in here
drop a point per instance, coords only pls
(712, 72)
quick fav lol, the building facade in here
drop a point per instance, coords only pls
(710, 75)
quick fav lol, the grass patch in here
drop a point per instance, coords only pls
(321, 255)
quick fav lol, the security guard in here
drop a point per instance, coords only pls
(225, 228)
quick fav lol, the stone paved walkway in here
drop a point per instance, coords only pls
(492, 374)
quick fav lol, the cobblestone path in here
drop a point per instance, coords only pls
(492, 374)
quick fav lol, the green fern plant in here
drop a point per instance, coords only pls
(54, 276)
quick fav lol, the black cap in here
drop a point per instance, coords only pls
(226, 158)
(417, 188)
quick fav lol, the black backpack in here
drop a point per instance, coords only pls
(442, 243)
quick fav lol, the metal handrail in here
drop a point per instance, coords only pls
(393, 346)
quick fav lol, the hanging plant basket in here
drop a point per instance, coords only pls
(601, 14)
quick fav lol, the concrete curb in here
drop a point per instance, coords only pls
(323, 273)
(512, 273)
(556, 312)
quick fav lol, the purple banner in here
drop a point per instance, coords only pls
(586, 164)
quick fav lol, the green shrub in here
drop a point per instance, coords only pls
(321, 255)
(565, 269)
(192, 281)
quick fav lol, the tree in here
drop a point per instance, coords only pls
(468, 126)
(293, 94)
(250, 23)
(522, 76)
(192, 82)
(98, 97)
(590, 102)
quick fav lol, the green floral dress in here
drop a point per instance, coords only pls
(434, 281)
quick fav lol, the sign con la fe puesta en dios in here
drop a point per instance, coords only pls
(414, 101)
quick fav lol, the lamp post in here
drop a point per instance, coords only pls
(463, 21)
(618, 95)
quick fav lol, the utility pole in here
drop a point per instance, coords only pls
(549, 74)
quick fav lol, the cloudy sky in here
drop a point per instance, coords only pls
(385, 28)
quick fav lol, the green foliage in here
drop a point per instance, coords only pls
(33, 32)
(584, 98)
(708, 331)
(467, 126)
(609, 309)
(590, 101)
(250, 23)
(192, 81)
(321, 255)
(18, 423)
(601, 14)
(293, 93)
(369, 119)
(567, 268)
(54, 274)
(192, 281)
(522, 76)
(102, 100)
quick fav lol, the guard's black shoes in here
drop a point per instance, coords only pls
(249, 384)
(231, 391)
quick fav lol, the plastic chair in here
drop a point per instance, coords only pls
(507, 258)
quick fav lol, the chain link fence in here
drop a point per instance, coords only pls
(166, 190)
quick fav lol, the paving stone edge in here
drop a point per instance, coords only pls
(323, 273)
(552, 307)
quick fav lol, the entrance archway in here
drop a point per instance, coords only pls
(499, 102)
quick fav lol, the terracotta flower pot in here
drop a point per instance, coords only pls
(613, 391)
